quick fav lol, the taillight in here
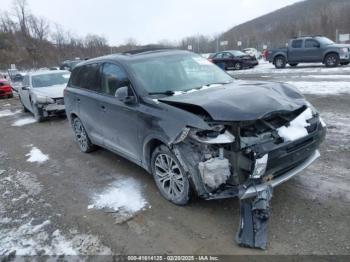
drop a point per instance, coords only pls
(210, 60)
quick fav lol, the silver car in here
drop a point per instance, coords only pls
(42, 93)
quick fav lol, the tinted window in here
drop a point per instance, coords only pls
(74, 80)
(297, 43)
(113, 77)
(219, 55)
(226, 55)
(310, 43)
(89, 77)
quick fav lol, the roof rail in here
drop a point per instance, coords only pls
(147, 50)
(303, 36)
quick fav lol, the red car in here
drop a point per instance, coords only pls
(5, 88)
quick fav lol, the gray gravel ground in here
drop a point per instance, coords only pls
(44, 206)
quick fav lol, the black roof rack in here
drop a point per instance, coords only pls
(147, 50)
(303, 36)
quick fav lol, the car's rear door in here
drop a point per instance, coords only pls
(296, 52)
(120, 121)
(86, 96)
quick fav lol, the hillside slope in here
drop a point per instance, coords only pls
(309, 17)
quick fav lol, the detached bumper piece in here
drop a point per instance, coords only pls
(254, 215)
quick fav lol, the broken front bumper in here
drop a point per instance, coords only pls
(255, 189)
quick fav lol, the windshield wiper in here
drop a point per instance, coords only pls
(168, 93)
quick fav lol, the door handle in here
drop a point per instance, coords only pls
(78, 100)
(103, 108)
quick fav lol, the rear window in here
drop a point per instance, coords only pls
(86, 77)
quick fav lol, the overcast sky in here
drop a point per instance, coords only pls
(149, 21)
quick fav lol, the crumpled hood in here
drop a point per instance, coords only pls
(55, 91)
(240, 101)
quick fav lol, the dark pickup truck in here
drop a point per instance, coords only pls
(310, 49)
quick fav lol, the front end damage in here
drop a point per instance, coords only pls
(50, 106)
(247, 160)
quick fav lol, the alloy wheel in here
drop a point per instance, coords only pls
(169, 176)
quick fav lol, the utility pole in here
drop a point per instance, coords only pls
(336, 35)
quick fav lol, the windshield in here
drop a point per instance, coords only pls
(238, 53)
(325, 40)
(178, 73)
(46, 80)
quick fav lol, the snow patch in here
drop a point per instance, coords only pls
(8, 112)
(322, 88)
(124, 196)
(35, 155)
(296, 128)
(24, 121)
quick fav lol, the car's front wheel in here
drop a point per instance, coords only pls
(332, 60)
(238, 66)
(38, 113)
(82, 137)
(169, 176)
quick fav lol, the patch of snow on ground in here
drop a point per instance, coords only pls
(322, 87)
(24, 121)
(35, 155)
(8, 112)
(124, 196)
(325, 76)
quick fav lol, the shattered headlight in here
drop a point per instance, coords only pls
(259, 167)
(217, 135)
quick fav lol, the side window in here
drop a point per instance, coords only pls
(297, 43)
(74, 80)
(219, 55)
(89, 77)
(310, 43)
(226, 55)
(113, 77)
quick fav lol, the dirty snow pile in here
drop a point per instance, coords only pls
(35, 155)
(123, 196)
(296, 128)
(24, 121)
(8, 112)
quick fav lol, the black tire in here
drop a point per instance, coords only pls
(81, 136)
(38, 113)
(237, 66)
(332, 60)
(280, 62)
(176, 188)
(293, 64)
(25, 110)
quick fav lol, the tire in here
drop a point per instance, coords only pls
(293, 64)
(169, 176)
(81, 137)
(25, 110)
(280, 62)
(38, 113)
(238, 66)
(332, 60)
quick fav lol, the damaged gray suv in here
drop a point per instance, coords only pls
(191, 125)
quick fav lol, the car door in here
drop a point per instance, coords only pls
(219, 60)
(119, 119)
(313, 51)
(296, 53)
(24, 92)
(87, 95)
(228, 59)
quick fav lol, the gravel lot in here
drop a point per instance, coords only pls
(56, 200)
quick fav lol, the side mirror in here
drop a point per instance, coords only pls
(25, 88)
(122, 94)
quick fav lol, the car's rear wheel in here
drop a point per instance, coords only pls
(331, 60)
(280, 62)
(82, 137)
(293, 64)
(238, 66)
(38, 113)
(169, 176)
